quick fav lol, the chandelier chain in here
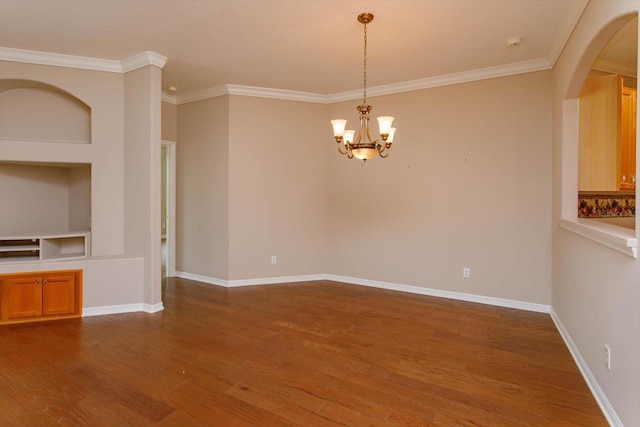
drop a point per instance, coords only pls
(364, 100)
(359, 144)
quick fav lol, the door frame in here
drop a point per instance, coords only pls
(170, 188)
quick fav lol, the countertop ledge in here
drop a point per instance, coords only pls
(617, 238)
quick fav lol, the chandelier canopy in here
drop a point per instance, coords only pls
(361, 146)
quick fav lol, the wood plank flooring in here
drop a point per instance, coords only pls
(302, 354)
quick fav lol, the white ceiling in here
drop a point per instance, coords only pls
(302, 45)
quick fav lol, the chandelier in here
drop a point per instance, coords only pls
(362, 147)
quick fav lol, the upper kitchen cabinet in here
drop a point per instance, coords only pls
(607, 140)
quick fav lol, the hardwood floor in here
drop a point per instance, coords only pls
(304, 354)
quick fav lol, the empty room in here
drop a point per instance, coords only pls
(319, 212)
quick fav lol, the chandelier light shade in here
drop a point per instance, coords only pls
(360, 145)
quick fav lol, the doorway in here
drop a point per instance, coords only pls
(168, 207)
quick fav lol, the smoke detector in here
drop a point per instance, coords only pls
(513, 41)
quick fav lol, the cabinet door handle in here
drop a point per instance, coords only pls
(44, 280)
(36, 281)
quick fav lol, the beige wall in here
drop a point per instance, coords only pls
(467, 184)
(80, 198)
(277, 187)
(143, 128)
(595, 290)
(53, 115)
(33, 199)
(169, 121)
(202, 218)
(44, 199)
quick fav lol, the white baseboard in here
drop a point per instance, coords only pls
(249, 282)
(500, 302)
(200, 278)
(598, 394)
(123, 308)
(152, 308)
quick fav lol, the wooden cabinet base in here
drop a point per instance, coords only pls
(40, 296)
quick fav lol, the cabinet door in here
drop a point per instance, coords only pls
(599, 133)
(628, 140)
(24, 297)
(58, 294)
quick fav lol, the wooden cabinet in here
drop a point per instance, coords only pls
(627, 157)
(29, 297)
(607, 136)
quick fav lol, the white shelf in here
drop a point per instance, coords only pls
(19, 248)
(44, 247)
(20, 259)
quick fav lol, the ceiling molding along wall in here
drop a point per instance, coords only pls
(151, 58)
(569, 25)
(60, 60)
(445, 80)
(608, 66)
(82, 62)
(289, 95)
(169, 98)
(143, 59)
(199, 95)
(431, 82)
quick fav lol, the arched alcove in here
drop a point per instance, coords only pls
(591, 53)
(35, 111)
(38, 194)
(571, 123)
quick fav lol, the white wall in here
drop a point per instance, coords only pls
(595, 290)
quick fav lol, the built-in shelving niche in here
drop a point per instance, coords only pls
(44, 198)
(36, 112)
(39, 197)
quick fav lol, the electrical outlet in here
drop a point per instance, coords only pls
(274, 259)
(466, 272)
(607, 357)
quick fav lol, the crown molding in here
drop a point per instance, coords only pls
(82, 62)
(446, 80)
(143, 59)
(566, 32)
(431, 82)
(257, 92)
(169, 98)
(60, 60)
(608, 66)
(199, 95)
(289, 95)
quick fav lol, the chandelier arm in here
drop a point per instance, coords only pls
(381, 151)
(340, 151)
